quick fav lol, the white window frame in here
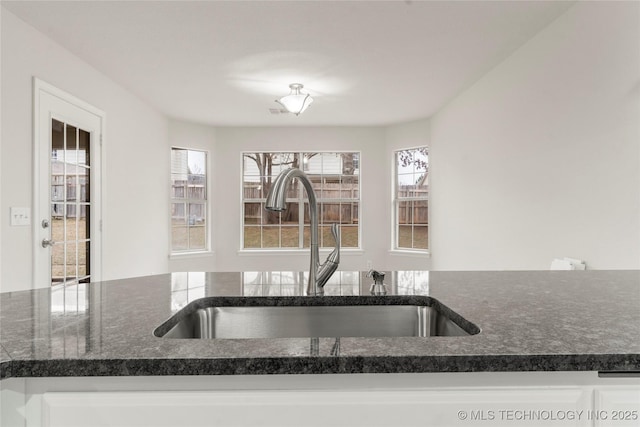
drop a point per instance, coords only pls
(301, 200)
(208, 215)
(395, 247)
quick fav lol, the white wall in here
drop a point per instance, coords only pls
(136, 176)
(540, 158)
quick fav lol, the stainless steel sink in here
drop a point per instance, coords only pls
(284, 317)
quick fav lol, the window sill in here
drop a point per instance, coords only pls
(184, 255)
(305, 252)
(409, 252)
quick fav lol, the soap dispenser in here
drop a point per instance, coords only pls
(377, 287)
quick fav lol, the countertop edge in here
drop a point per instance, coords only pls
(318, 365)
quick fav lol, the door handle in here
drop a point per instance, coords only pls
(47, 242)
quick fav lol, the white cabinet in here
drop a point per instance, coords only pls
(312, 408)
(464, 399)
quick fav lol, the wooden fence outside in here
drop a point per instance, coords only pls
(413, 211)
(344, 211)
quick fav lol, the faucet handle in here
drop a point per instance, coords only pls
(334, 256)
(335, 232)
(330, 265)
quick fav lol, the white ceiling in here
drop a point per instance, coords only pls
(225, 62)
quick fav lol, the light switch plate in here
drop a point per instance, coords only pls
(20, 216)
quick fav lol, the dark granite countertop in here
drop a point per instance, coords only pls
(530, 321)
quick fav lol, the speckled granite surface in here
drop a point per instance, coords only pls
(546, 320)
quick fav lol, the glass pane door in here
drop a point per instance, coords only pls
(70, 202)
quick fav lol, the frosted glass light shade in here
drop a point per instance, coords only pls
(295, 102)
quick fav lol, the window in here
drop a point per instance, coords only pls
(335, 178)
(188, 200)
(411, 199)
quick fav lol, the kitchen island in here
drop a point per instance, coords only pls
(545, 328)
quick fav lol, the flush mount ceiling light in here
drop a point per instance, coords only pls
(295, 102)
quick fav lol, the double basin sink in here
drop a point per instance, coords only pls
(302, 317)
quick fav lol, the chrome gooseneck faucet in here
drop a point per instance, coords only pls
(318, 274)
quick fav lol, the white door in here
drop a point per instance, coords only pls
(67, 164)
